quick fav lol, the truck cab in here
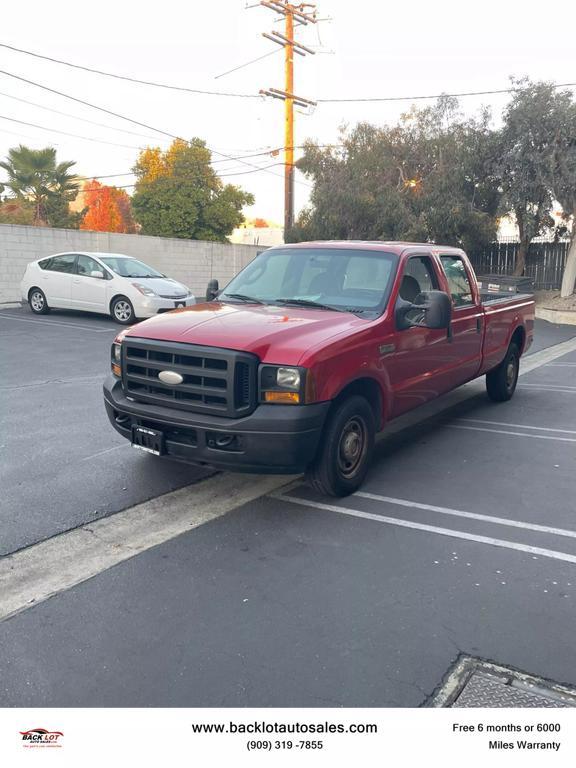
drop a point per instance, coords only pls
(308, 353)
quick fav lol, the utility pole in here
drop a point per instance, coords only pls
(301, 15)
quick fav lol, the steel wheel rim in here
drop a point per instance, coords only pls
(352, 446)
(511, 372)
(37, 301)
(122, 310)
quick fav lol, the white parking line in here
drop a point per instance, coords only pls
(509, 432)
(470, 515)
(549, 387)
(51, 322)
(107, 450)
(554, 555)
(560, 365)
(42, 570)
(519, 426)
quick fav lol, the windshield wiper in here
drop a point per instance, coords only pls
(309, 303)
(241, 297)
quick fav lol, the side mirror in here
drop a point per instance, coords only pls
(212, 290)
(97, 273)
(432, 309)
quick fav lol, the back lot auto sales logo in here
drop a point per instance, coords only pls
(40, 737)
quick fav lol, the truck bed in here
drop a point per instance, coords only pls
(500, 297)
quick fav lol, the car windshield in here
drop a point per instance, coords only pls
(349, 279)
(129, 267)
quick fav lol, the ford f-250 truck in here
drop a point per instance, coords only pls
(308, 352)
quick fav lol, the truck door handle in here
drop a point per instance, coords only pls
(478, 324)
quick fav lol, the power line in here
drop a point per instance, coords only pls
(127, 186)
(128, 119)
(242, 173)
(247, 63)
(65, 133)
(270, 151)
(130, 79)
(256, 96)
(75, 117)
(435, 96)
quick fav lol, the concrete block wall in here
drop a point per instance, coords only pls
(194, 262)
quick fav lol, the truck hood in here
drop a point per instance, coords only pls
(275, 334)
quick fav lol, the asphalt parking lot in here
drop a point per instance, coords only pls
(62, 463)
(462, 541)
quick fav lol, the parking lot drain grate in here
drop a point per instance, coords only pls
(476, 683)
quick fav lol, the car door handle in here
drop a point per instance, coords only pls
(76, 281)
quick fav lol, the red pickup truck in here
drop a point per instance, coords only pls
(308, 352)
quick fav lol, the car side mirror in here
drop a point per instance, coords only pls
(97, 273)
(212, 290)
(431, 309)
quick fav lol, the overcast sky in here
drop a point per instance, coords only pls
(371, 49)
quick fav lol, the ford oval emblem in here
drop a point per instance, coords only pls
(170, 377)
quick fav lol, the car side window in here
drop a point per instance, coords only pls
(86, 265)
(63, 263)
(458, 281)
(419, 276)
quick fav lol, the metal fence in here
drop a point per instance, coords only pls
(544, 264)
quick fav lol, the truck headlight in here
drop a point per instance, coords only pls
(116, 361)
(116, 354)
(280, 384)
(288, 378)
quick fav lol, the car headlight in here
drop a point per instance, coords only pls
(281, 384)
(144, 289)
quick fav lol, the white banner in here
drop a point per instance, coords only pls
(110, 738)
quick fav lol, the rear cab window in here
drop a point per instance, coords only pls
(458, 279)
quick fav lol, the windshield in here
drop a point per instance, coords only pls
(129, 267)
(350, 279)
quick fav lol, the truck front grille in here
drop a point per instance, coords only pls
(215, 381)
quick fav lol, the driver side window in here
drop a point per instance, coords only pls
(85, 265)
(419, 276)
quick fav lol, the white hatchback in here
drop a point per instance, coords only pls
(110, 283)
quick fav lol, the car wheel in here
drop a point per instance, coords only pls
(501, 382)
(37, 302)
(122, 310)
(346, 449)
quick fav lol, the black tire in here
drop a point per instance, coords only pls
(37, 301)
(346, 449)
(501, 382)
(122, 311)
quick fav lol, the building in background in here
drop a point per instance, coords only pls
(258, 232)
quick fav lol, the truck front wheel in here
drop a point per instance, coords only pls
(501, 382)
(346, 448)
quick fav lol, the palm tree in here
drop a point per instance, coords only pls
(35, 176)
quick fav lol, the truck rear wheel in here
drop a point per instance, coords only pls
(501, 382)
(345, 451)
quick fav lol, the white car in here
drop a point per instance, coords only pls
(110, 283)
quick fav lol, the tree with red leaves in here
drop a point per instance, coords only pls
(109, 209)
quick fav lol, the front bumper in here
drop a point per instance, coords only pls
(148, 306)
(277, 439)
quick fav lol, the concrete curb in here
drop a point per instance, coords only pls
(557, 316)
